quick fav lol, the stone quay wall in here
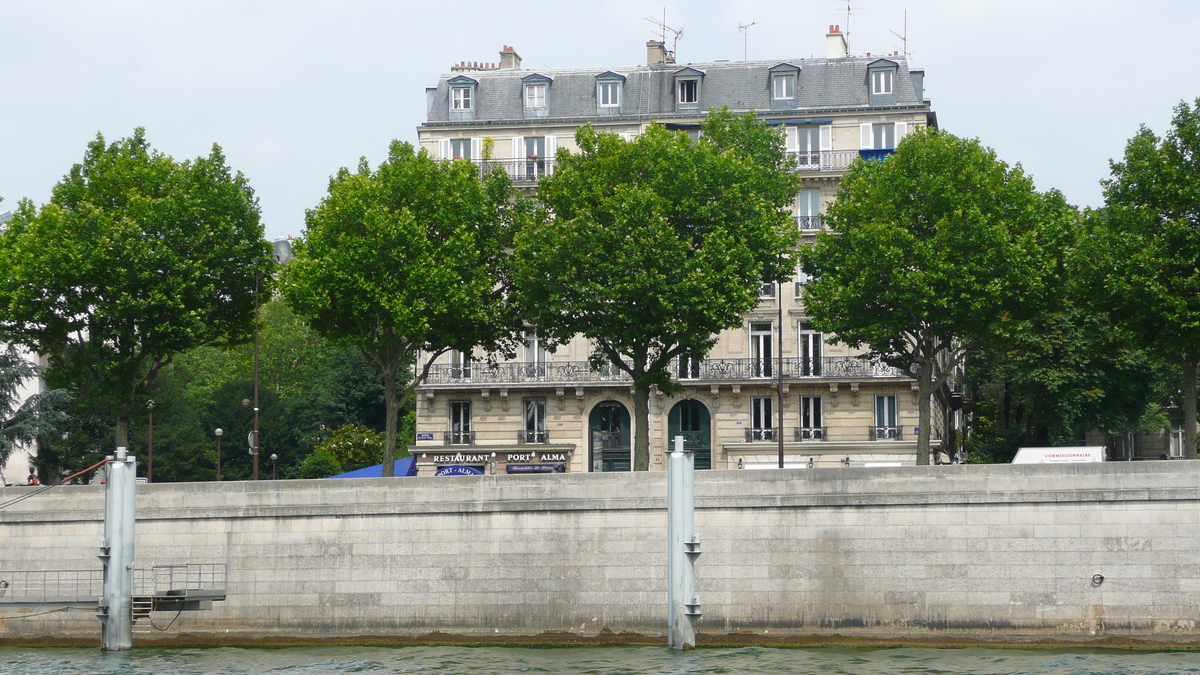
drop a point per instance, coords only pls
(993, 552)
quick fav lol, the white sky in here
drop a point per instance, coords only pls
(294, 89)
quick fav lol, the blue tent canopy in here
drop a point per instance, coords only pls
(404, 467)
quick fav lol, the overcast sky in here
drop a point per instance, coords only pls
(294, 89)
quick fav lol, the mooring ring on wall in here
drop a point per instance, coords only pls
(1097, 579)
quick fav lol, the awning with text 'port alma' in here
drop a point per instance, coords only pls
(406, 466)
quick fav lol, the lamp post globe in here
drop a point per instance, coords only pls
(219, 432)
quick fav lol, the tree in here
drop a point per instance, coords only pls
(402, 260)
(136, 258)
(1145, 248)
(930, 252)
(353, 447)
(21, 422)
(653, 246)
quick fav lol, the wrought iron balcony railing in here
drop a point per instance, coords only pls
(824, 160)
(810, 223)
(458, 438)
(527, 170)
(878, 433)
(811, 433)
(683, 370)
(756, 435)
(532, 437)
(609, 440)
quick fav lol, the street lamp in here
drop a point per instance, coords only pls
(252, 438)
(274, 476)
(150, 443)
(219, 432)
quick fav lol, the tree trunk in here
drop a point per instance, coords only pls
(924, 412)
(1189, 408)
(641, 436)
(392, 406)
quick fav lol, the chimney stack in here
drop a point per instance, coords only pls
(656, 53)
(509, 58)
(836, 43)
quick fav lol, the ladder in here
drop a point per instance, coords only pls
(142, 606)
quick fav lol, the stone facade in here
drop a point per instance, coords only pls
(838, 408)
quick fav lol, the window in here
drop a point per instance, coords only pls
(885, 418)
(689, 92)
(689, 368)
(883, 135)
(460, 365)
(534, 353)
(460, 423)
(535, 155)
(808, 146)
(766, 290)
(535, 421)
(761, 420)
(783, 87)
(809, 209)
(460, 148)
(760, 350)
(802, 279)
(535, 96)
(460, 98)
(811, 421)
(610, 94)
(881, 81)
(810, 351)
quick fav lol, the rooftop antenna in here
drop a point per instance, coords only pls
(664, 29)
(745, 29)
(850, 10)
(903, 38)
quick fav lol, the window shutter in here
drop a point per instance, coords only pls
(826, 136)
(444, 149)
(476, 149)
(551, 149)
(791, 141)
(901, 130)
(518, 147)
(865, 140)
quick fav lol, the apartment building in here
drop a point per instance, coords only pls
(549, 411)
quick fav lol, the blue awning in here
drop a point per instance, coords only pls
(404, 467)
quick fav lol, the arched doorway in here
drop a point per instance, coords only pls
(610, 438)
(691, 420)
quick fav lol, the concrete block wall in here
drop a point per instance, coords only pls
(999, 551)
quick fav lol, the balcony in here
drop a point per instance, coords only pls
(811, 434)
(458, 438)
(685, 371)
(824, 160)
(877, 433)
(521, 171)
(532, 437)
(760, 435)
(810, 223)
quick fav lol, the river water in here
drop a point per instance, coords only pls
(587, 661)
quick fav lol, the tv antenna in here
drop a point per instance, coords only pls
(664, 29)
(903, 38)
(850, 11)
(745, 29)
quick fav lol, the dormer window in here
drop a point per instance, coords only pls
(687, 89)
(881, 82)
(536, 94)
(783, 87)
(608, 93)
(462, 97)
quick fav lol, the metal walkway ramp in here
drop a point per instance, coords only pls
(161, 588)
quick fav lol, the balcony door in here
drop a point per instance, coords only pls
(691, 420)
(811, 343)
(762, 421)
(534, 358)
(761, 352)
(885, 418)
(610, 443)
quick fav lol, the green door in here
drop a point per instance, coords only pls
(611, 440)
(691, 420)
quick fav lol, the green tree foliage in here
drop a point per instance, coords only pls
(320, 464)
(1145, 249)
(136, 258)
(649, 248)
(354, 447)
(22, 422)
(402, 260)
(931, 251)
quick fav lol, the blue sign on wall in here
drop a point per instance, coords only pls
(424, 437)
(459, 470)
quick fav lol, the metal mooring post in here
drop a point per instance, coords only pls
(116, 552)
(683, 547)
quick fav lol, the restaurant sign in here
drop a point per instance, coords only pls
(458, 470)
(461, 458)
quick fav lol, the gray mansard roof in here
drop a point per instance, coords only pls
(649, 91)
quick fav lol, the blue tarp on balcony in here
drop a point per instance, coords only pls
(404, 467)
